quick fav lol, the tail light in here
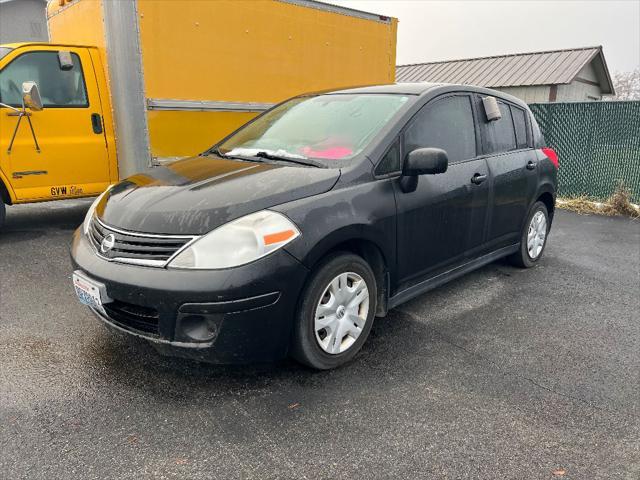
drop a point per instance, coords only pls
(551, 155)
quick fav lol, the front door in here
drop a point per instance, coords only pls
(73, 156)
(444, 218)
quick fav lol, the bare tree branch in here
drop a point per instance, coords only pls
(627, 85)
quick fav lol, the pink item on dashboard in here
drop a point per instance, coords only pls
(332, 153)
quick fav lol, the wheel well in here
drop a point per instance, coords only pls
(4, 194)
(549, 202)
(374, 257)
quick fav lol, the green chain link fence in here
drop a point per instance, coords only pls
(598, 144)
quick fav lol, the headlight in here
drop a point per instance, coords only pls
(91, 211)
(238, 242)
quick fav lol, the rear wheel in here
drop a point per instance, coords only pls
(533, 238)
(335, 313)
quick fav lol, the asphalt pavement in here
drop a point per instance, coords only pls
(504, 373)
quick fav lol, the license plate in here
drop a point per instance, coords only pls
(90, 292)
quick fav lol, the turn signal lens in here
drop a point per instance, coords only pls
(278, 237)
(238, 242)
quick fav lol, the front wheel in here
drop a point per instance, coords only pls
(335, 312)
(533, 238)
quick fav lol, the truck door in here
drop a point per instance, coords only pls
(73, 156)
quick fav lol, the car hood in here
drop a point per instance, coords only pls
(196, 195)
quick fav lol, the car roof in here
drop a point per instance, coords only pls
(416, 88)
(424, 88)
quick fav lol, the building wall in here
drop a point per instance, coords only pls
(576, 91)
(532, 94)
(582, 88)
(23, 21)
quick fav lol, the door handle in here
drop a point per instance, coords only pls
(531, 165)
(478, 179)
(96, 123)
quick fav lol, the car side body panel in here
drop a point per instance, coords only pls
(359, 212)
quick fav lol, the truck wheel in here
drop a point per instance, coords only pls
(533, 238)
(3, 213)
(335, 312)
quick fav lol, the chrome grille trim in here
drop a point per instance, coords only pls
(138, 248)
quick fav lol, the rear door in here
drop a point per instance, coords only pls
(512, 164)
(444, 218)
(73, 156)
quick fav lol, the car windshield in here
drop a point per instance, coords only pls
(4, 51)
(328, 128)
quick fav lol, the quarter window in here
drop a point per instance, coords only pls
(447, 124)
(500, 134)
(520, 125)
(58, 87)
(390, 163)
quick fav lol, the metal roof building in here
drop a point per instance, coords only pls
(578, 74)
(23, 21)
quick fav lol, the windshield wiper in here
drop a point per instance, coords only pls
(234, 157)
(306, 161)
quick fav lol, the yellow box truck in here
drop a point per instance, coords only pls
(126, 84)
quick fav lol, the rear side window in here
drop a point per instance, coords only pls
(58, 87)
(446, 123)
(500, 136)
(520, 125)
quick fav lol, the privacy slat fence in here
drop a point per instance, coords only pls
(598, 144)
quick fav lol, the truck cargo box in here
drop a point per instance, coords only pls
(183, 74)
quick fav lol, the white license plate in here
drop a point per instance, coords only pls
(90, 292)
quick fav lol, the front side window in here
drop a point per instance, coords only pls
(328, 128)
(58, 87)
(447, 124)
(500, 134)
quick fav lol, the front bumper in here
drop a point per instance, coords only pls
(236, 315)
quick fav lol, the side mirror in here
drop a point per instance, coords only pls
(31, 96)
(426, 161)
(422, 161)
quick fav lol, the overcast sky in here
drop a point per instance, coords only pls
(443, 30)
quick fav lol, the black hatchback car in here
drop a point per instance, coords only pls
(290, 235)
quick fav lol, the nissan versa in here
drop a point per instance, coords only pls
(290, 235)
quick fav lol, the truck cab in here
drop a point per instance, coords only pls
(66, 149)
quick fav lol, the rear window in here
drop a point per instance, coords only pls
(500, 135)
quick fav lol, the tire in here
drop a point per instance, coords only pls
(348, 314)
(523, 258)
(3, 213)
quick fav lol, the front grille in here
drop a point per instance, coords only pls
(127, 315)
(136, 248)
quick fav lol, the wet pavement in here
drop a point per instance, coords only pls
(504, 373)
